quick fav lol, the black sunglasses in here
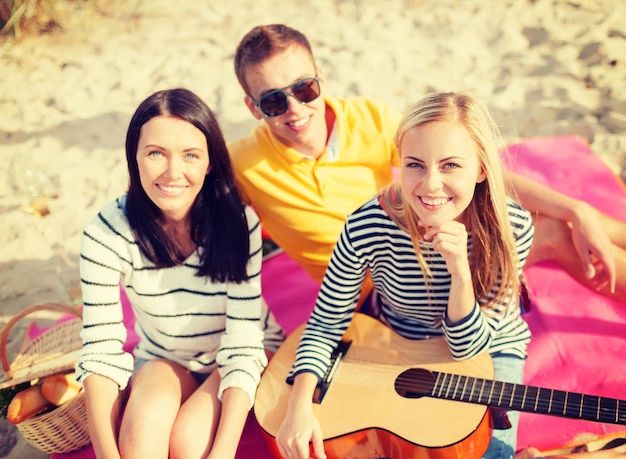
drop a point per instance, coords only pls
(275, 102)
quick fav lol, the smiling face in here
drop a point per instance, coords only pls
(439, 170)
(173, 161)
(302, 126)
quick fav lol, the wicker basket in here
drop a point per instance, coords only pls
(63, 429)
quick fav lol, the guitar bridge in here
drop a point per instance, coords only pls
(335, 359)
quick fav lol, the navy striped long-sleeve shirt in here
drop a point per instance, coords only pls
(370, 240)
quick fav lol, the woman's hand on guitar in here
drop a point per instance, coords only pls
(300, 426)
(300, 436)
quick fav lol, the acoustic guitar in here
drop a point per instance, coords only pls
(385, 396)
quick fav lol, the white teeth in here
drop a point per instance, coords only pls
(172, 189)
(298, 123)
(434, 202)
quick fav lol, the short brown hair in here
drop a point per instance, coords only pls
(263, 42)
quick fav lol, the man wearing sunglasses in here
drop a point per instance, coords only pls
(316, 158)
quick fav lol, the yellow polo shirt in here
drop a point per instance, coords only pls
(303, 202)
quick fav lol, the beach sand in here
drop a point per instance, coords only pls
(545, 68)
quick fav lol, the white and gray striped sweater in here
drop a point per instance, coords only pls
(371, 241)
(193, 321)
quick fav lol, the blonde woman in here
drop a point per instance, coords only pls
(445, 246)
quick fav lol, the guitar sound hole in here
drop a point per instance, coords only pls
(414, 383)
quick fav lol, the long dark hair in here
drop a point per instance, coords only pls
(219, 227)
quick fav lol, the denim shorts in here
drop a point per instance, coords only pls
(507, 368)
(199, 377)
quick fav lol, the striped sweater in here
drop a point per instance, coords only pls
(200, 324)
(371, 241)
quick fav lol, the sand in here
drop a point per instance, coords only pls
(544, 68)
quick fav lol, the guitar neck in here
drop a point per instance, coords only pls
(419, 382)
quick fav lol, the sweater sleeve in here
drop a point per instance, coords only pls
(476, 332)
(469, 336)
(334, 309)
(241, 357)
(103, 332)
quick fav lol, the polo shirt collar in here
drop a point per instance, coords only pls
(331, 152)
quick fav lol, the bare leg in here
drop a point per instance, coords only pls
(616, 229)
(158, 389)
(529, 453)
(553, 241)
(194, 430)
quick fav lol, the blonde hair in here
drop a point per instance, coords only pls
(493, 259)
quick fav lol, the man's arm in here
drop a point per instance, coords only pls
(589, 237)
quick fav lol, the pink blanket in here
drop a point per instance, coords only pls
(579, 337)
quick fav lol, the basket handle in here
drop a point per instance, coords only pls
(6, 366)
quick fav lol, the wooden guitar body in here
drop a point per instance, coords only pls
(363, 416)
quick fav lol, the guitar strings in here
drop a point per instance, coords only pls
(486, 392)
(367, 372)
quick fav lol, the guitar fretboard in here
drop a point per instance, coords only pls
(519, 397)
